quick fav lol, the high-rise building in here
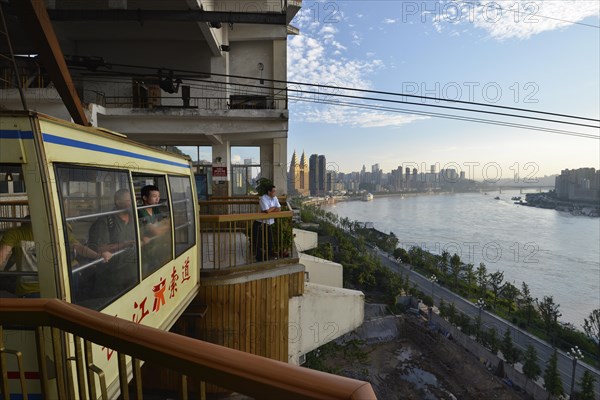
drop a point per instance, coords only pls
(578, 184)
(317, 175)
(298, 175)
(322, 175)
(303, 175)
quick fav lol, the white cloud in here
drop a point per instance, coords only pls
(389, 21)
(317, 56)
(508, 19)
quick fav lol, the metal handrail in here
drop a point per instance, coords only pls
(236, 370)
(95, 215)
(99, 260)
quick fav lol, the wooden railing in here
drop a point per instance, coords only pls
(223, 207)
(236, 240)
(235, 370)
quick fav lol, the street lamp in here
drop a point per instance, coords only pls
(433, 280)
(481, 305)
(575, 354)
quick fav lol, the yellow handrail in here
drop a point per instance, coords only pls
(243, 372)
(244, 217)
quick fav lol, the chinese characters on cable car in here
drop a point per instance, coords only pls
(141, 310)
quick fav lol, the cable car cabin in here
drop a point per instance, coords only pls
(75, 226)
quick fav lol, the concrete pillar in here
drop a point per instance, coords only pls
(273, 163)
(221, 158)
(280, 165)
(266, 160)
(280, 72)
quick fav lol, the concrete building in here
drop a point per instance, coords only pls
(582, 184)
(317, 175)
(175, 81)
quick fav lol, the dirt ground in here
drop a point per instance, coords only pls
(422, 365)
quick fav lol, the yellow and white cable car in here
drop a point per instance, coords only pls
(73, 221)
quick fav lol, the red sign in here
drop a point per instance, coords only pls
(220, 172)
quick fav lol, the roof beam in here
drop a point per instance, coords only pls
(168, 15)
(35, 20)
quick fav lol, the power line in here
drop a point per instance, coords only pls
(287, 82)
(391, 109)
(454, 117)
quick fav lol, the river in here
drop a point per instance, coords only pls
(554, 252)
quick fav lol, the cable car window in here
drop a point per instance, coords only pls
(154, 218)
(183, 213)
(18, 260)
(100, 234)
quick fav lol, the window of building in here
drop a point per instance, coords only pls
(245, 169)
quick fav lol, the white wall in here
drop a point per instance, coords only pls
(322, 271)
(321, 315)
(305, 240)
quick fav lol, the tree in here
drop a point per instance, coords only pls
(587, 386)
(510, 293)
(455, 265)
(445, 257)
(478, 333)
(527, 302)
(495, 281)
(531, 368)
(262, 184)
(549, 313)
(510, 352)
(591, 327)
(470, 277)
(482, 279)
(443, 308)
(552, 381)
(492, 341)
(451, 311)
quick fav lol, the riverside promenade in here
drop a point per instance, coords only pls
(521, 339)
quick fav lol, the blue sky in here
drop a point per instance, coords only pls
(518, 54)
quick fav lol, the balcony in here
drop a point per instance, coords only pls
(56, 325)
(235, 235)
(206, 95)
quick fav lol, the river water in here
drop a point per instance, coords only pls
(555, 253)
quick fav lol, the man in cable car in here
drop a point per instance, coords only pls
(153, 228)
(115, 233)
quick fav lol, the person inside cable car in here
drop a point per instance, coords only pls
(115, 233)
(19, 241)
(154, 226)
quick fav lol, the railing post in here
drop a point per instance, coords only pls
(3, 369)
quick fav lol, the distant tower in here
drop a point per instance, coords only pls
(303, 175)
(312, 175)
(294, 175)
(322, 175)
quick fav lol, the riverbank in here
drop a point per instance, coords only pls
(549, 201)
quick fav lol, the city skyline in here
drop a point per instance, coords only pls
(541, 58)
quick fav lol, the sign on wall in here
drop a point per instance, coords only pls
(219, 174)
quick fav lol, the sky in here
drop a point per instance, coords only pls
(540, 55)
